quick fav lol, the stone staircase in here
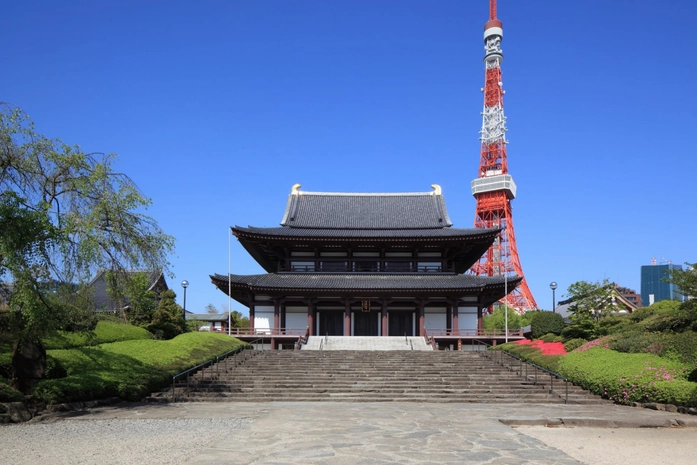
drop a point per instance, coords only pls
(370, 376)
(366, 343)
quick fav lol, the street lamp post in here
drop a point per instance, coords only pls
(185, 284)
(553, 287)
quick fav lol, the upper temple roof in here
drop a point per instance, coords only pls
(339, 210)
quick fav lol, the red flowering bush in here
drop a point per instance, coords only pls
(545, 348)
(544, 354)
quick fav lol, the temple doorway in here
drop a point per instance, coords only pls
(365, 324)
(401, 323)
(331, 323)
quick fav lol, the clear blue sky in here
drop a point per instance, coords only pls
(216, 108)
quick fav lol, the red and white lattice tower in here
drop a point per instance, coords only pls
(494, 188)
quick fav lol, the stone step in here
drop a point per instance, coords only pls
(363, 376)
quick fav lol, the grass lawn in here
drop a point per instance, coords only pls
(129, 369)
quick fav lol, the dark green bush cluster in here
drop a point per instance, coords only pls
(54, 368)
(7, 394)
(551, 337)
(677, 346)
(573, 344)
(164, 330)
(546, 322)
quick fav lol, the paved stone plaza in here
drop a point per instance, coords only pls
(352, 433)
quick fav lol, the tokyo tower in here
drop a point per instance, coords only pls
(494, 187)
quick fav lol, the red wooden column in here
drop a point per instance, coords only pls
(456, 321)
(449, 317)
(422, 318)
(311, 316)
(383, 318)
(347, 317)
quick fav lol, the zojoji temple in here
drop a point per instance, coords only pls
(365, 264)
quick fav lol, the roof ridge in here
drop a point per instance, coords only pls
(366, 194)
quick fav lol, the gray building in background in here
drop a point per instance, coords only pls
(654, 288)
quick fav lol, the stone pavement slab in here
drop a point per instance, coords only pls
(341, 433)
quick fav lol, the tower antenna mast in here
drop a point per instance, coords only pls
(494, 187)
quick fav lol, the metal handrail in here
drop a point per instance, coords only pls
(552, 374)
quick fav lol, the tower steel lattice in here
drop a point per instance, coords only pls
(494, 187)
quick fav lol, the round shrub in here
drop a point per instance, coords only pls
(164, 330)
(546, 322)
(574, 344)
(549, 337)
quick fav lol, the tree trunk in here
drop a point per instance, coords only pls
(28, 365)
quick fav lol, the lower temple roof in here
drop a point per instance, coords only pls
(376, 282)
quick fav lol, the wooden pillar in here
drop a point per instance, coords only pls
(449, 317)
(276, 317)
(251, 318)
(311, 316)
(456, 321)
(347, 317)
(480, 320)
(422, 318)
(283, 315)
(383, 319)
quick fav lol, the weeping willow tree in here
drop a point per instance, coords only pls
(64, 214)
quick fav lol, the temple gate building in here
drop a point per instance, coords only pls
(366, 264)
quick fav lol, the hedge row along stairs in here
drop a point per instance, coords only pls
(369, 376)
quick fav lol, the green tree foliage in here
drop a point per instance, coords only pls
(133, 291)
(239, 320)
(168, 319)
(685, 280)
(664, 306)
(64, 213)
(497, 320)
(545, 323)
(591, 300)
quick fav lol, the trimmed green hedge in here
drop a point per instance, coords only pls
(104, 332)
(626, 378)
(131, 369)
(573, 344)
(546, 322)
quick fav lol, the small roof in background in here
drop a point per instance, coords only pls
(206, 316)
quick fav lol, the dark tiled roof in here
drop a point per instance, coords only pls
(444, 233)
(363, 281)
(324, 210)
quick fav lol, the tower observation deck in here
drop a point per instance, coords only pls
(494, 188)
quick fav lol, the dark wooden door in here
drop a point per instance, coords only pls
(401, 323)
(331, 323)
(365, 324)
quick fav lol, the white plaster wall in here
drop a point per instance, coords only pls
(435, 320)
(263, 319)
(467, 318)
(296, 320)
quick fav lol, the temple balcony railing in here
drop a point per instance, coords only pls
(473, 332)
